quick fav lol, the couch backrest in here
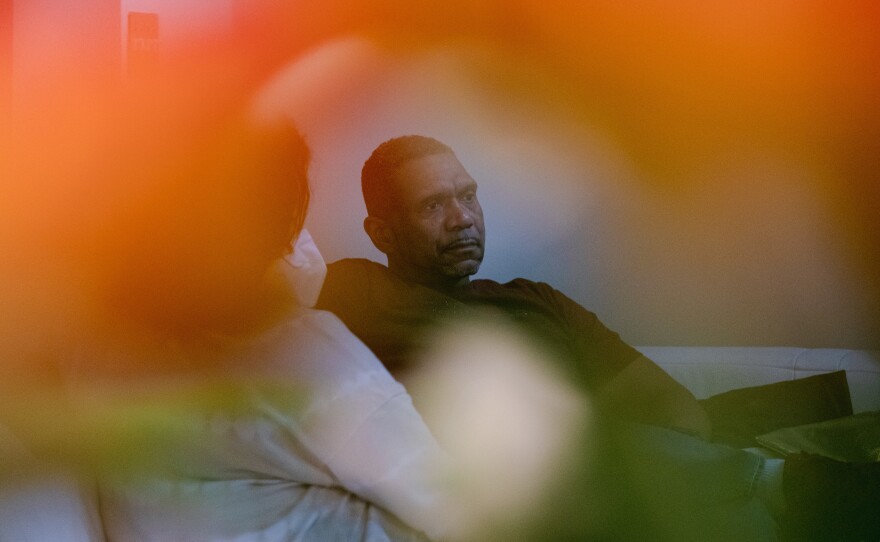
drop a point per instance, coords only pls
(707, 370)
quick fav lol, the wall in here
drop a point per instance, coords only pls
(5, 58)
(58, 39)
(181, 20)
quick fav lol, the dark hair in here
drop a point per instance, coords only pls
(209, 217)
(275, 160)
(378, 170)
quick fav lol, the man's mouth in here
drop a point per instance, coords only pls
(461, 245)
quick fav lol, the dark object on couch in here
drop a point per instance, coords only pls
(739, 416)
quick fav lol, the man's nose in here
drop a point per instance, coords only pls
(458, 217)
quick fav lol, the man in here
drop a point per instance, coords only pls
(424, 215)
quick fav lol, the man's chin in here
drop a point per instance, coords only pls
(464, 268)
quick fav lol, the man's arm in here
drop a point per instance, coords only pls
(643, 392)
(626, 384)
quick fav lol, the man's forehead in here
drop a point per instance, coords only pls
(429, 172)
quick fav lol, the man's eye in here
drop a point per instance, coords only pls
(470, 197)
(432, 206)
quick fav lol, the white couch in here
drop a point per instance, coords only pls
(708, 370)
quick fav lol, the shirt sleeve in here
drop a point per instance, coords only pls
(361, 423)
(601, 350)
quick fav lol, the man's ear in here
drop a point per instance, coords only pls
(380, 233)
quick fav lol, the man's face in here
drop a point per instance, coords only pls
(438, 222)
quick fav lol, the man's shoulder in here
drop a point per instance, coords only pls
(533, 294)
(348, 280)
(364, 285)
(356, 267)
(516, 286)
